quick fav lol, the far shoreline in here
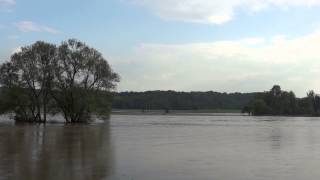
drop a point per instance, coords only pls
(210, 112)
(214, 112)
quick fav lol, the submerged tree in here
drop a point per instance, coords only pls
(25, 81)
(81, 74)
(73, 79)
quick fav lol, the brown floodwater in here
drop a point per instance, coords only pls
(159, 147)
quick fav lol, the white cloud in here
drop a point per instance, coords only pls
(250, 64)
(29, 26)
(213, 11)
(275, 50)
(12, 2)
(6, 5)
(16, 50)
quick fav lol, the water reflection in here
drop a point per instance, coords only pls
(275, 138)
(39, 152)
(164, 147)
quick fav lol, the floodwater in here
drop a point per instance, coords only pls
(159, 147)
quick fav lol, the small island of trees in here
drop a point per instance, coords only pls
(71, 79)
(279, 102)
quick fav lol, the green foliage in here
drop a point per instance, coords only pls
(260, 107)
(25, 81)
(80, 72)
(173, 100)
(100, 102)
(43, 78)
(278, 102)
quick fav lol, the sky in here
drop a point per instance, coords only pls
(183, 45)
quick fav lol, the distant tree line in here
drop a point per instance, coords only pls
(172, 100)
(279, 102)
(72, 79)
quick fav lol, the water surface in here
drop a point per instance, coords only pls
(158, 147)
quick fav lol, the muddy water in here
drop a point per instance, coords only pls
(158, 147)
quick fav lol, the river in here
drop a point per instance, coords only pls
(163, 147)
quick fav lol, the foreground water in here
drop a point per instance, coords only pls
(160, 147)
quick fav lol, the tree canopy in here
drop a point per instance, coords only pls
(279, 102)
(174, 100)
(44, 78)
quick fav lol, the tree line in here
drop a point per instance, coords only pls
(172, 100)
(279, 102)
(72, 79)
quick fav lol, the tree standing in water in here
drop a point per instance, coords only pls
(73, 79)
(25, 81)
(80, 75)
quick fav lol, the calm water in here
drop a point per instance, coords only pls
(164, 148)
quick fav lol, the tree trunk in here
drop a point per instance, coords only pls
(45, 108)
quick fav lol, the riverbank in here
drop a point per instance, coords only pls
(210, 112)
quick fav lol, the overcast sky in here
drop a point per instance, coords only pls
(185, 45)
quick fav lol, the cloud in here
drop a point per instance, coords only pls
(276, 50)
(16, 50)
(6, 5)
(29, 26)
(245, 65)
(213, 11)
(9, 2)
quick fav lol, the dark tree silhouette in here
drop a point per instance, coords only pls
(27, 77)
(278, 102)
(43, 78)
(80, 73)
